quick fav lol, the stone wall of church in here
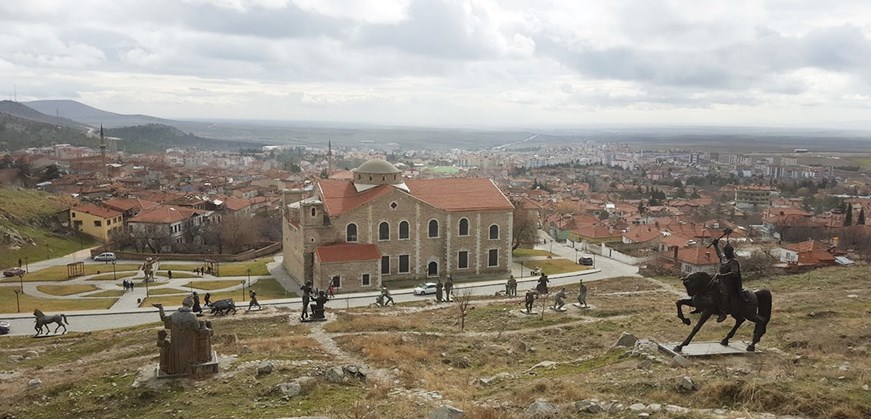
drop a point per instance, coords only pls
(350, 275)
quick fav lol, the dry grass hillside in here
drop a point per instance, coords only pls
(814, 361)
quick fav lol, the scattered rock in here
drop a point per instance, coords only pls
(446, 412)
(637, 407)
(676, 409)
(289, 389)
(644, 415)
(519, 346)
(645, 364)
(34, 383)
(541, 409)
(335, 375)
(543, 364)
(588, 406)
(686, 384)
(31, 354)
(245, 349)
(852, 296)
(680, 361)
(15, 358)
(654, 407)
(461, 362)
(626, 340)
(229, 339)
(865, 387)
(264, 368)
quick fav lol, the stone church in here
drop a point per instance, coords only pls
(379, 228)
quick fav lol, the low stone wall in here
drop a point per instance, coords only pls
(199, 257)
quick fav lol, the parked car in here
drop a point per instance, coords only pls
(586, 261)
(424, 289)
(106, 257)
(5, 327)
(14, 272)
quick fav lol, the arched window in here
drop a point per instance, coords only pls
(464, 227)
(433, 228)
(494, 232)
(384, 231)
(314, 212)
(351, 233)
(432, 269)
(403, 230)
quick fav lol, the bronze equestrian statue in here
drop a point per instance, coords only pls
(722, 295)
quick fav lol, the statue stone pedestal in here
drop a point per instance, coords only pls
(188, 352)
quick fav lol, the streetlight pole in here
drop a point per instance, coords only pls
(243, 290)
(114, 274)
(17, 302)
(21, 281)
(249, 277)
(578, 261)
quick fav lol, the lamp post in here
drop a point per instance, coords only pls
(243, 290)
(249, 277)
(17, 302)
(578, 261)
(114, 274)
(21, 282)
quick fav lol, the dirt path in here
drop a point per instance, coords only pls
(329, 345)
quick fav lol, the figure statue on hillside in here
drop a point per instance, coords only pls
(729, 277)
(439, 287)
(318, 306)
(449, 286)
(559, 299)
(542, 284)
(189, 349)
(582, 294)
(530, 300)
(306, 297)
(148, 268)
(511, 287)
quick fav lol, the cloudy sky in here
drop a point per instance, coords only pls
(448, 63)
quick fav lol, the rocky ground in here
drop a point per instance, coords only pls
(414, 361)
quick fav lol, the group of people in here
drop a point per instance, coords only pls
(128, 285)
(309, 294)
(559, 297)
(445, 290)
(202, 270)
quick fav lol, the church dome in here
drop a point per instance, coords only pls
(377, 167)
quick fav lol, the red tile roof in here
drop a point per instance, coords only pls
(642, 233)
(460, 194)
(456, 194)
(164, 215)
(98, 211)
(697, 255)
(127, 204)
(347, 252)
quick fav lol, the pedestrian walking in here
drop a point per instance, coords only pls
(207, 299)
(169, 274)
(196, 308)
(124, 284)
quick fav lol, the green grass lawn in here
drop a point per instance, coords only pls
(212, 285)
(521, 253)
(257, 266)
(59, 273)
(554, 266)
(108, 293)
(56, 246)
(66, 289)
(266, 289)
(178, 274)
(112, 277)
(49, 305)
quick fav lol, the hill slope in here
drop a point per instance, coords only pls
(80, 112)
(25, 112)
(17, 133)
(30, 227)
(158, 137)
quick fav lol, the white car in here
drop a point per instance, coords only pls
(424, 289)
(105, 257)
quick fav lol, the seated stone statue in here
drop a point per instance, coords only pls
(190, 342)
(318, 306)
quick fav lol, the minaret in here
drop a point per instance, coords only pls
(329, 159)
(103, 153)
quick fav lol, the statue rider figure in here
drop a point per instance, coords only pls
(729, 279)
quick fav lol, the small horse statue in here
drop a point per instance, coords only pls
(43, 320)
(703, 289)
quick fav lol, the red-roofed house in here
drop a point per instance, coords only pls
(168, 222)
(421, 229)
(807, 253)
(345, 262)
(95, 220)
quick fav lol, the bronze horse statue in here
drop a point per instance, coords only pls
(702, 288)
(43, 320)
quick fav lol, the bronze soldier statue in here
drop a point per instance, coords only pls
(729, 278)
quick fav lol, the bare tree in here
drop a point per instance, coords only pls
(525, 225)
(463, 301)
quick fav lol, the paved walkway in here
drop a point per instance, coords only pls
(126, 311)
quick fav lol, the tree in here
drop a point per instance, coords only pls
(50, 172)
(463, 300)
(525, 224)
(861, 219)
(848, 216)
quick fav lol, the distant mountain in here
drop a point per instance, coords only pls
(158, 137)
(17, 133)
(85, 114)
(22, 111)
